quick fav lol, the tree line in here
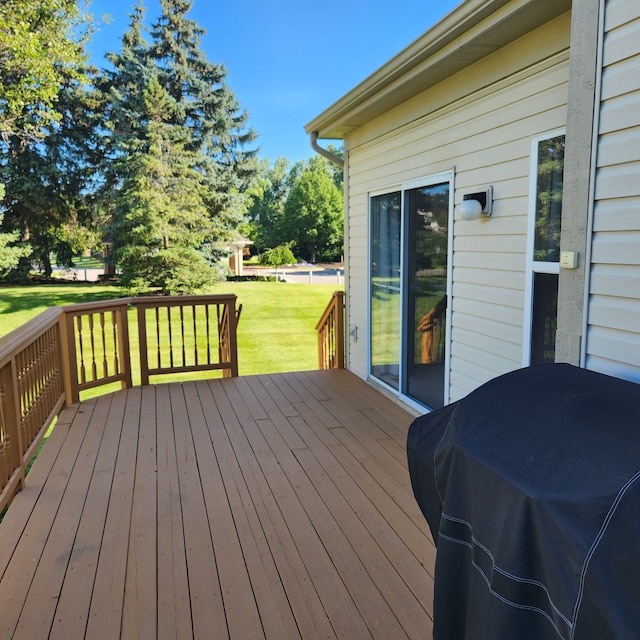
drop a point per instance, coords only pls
(151, 157)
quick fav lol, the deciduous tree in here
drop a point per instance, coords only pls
(42, 69)
(10, 252)
(266, 203)
(41, 45)
(49, 182)
(313, 214)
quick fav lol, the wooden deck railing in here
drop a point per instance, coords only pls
(199, 338)
(31, 394)
(96, 342)
(50, 360)
(330, 330)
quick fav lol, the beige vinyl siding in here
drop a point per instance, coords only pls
(357, 287)
(613, 321)
(486, 138)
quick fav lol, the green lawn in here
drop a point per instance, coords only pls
(276, 331)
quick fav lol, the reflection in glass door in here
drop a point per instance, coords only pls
(385, 288)
(427, 215)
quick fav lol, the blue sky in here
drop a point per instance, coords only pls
(288, 60)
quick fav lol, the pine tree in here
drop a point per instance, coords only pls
(163, 93)
(160, 219)
(210, 110)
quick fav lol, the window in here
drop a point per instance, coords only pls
(408, 285)
(548, 169)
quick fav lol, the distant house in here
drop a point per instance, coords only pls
(533, 106)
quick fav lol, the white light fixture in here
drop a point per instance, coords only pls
(477, 204)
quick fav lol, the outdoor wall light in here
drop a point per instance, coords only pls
(476, 204)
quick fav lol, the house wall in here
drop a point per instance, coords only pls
(613, 320)
(480, 122)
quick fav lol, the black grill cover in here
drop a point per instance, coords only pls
(531, 488)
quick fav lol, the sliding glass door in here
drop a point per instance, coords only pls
(409, 252)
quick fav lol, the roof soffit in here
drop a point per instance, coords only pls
(471, 32)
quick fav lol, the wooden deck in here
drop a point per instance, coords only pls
(255, 507)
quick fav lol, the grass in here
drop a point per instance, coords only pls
(276, 332)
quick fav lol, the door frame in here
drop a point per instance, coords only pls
(447, 176)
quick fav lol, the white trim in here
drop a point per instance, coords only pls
(370, 195)
(434, 178)
(403, 292)
(383, 191)
(346, 261)
(414, 404)
(449, 312)
(532, 266)
(546, 267)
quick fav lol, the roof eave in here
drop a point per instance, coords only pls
(473, 30)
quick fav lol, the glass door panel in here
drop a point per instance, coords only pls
(385, 288)
(427, 211)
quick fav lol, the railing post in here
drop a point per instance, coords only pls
(69, 358)
(124, 346)
(339, 329)
(141, 311)
(232, 339)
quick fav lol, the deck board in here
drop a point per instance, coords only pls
(274, 506)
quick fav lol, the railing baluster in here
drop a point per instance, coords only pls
(80, 343)
(181, 354)
(184, 354)
(195, 334)
(114, 337)
(31, 395)
(103, 335)
(94, 370)
(206, 314)
(158, 349)
(170, 336)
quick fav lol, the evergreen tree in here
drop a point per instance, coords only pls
(209, 109)
(160, 218)
(121, 87)
(200, 128)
